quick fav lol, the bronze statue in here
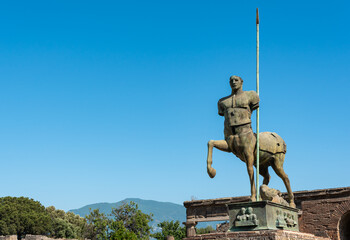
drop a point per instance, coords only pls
(241, 141)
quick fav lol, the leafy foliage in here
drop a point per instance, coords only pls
(162, 211)
(126, 222)
(98, 225)
(133, 219)
(119, 232)
(23, 216)
(174, 229)
(170, 229)
(205, 230)
(66, 225)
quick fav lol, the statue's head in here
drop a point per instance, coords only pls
(243, 210)
(249, 210)
(236, 82)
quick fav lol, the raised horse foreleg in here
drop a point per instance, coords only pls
(219, 144)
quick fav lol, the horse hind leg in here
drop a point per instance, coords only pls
(219, 144)
(277, 166)
(264, 171)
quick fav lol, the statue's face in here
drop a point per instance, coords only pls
(249, 210)
(236, 83)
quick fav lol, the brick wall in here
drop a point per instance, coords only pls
(321, 212)
(321, 217)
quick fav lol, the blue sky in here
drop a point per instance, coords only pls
(101, 101)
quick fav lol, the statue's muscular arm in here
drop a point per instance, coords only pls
(220, 108)
(253, 100)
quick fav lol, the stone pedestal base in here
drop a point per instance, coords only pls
(262, 215)
(258, 235)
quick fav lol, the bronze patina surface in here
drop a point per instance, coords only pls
(262, 215)
(241, 141)
(323, 212)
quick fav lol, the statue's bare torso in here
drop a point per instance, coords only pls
(240, 139)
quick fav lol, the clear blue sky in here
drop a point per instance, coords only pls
(105, 100)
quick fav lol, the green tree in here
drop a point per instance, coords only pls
(78, 223)
(98, 225)
(119, 232)
(205, 230)
(126, 222)
(62, 229)
(66, 224)
(133, 219)
(23, 216)
(170, 229)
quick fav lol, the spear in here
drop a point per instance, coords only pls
(257, 110)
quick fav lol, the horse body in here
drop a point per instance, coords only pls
(272, 152)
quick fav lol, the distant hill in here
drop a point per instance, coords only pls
(162, 211)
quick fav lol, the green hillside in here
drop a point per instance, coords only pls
(162, 211)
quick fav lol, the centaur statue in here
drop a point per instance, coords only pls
(241, 141)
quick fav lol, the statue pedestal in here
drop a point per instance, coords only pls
(258, 235)
(324, 213)
(262, 215)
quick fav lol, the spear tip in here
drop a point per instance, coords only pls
(257, 16)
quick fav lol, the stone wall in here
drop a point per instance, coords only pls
(322, 217)
(324, 213)
(31, 237)
(258, 235)
(36, 237)
(9, 237)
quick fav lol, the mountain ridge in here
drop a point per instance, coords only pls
(162, 211)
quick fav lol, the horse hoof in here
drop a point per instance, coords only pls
(292, 204)
(211, 172)
(253, 199)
